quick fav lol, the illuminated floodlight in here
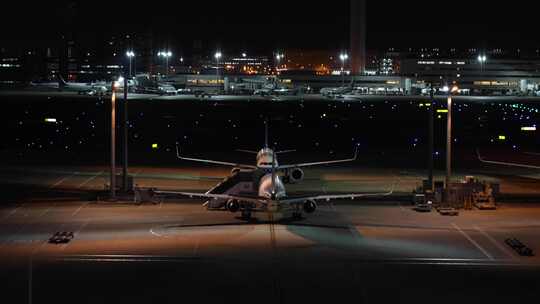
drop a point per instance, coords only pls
(445, 89)
(343, 57)
(528, 129)
(502, 137)
(50, 120)
(165, 54)
(244, 55)
(155, 146)
(482, 58)
(218, 55)
(442, 111)
(130, 54)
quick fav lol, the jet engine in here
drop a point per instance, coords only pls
(235, 171)
(233, 206)
(295, 176)
(310, 206)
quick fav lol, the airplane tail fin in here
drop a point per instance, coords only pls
(256, 152)
(266, 134)
(274, 175)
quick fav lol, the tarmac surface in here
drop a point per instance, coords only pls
(362, 252)
(367, 251)
(308, 97)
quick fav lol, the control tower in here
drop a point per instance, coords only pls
(358, 36)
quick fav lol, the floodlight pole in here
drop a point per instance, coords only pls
(125, 137)
(113, 142)
(449, 146)
(431, 140)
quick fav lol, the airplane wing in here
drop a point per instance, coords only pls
(264, 201)
(333, 197)
(328, 198)
(285, 151)
(247, 199)
(504, 163)
(354, 158)
(289, 201)
(247, 151)
(209, 161)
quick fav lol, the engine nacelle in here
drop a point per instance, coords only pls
(310, 206)
(235, 171)
(233, 206)
(295, 176)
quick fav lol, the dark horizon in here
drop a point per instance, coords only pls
(299, 25)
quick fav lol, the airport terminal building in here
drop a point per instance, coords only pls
(476, 72)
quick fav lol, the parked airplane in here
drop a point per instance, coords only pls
(91, 88)
(53, 85)
(270, 196)
(82, 88)
(336, 91)
(292, 174)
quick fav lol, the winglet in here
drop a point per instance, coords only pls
(356, 151)
(178, 151)
(61, 82)
(479, 156)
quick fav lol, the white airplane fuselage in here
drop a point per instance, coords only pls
(273, 191)
(265, 158)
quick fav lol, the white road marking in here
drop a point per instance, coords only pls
(89, 180)
(155, 233)
(181, 259)
(473, 241)
(11, 213)
(58, 183)
(21, 227)
(79, 209)
(45, 212)
(494, 242)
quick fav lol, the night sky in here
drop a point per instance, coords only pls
(261, 25)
